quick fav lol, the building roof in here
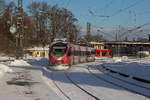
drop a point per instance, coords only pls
(130, 42)
(38, 48)
(100, 43)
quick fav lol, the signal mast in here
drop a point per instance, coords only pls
(20, 32)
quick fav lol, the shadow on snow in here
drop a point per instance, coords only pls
(81, 78)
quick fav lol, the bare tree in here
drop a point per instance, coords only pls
(63, 23)
(37, 11)
(2, 7)
(5, 36)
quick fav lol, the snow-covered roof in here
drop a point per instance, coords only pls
(38, 48)
(97, 43)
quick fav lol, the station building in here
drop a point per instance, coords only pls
(37, 52)
(127, 48)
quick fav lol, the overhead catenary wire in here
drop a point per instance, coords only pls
(93, 14)
(130, 6)
(134, 29)
(115, 13)
(124, 9)
(67, 4)
(106, 6)
(109, 34)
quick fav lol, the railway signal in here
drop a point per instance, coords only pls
(18, 31)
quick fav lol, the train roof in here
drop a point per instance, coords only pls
(65, 42)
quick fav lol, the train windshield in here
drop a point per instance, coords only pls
(59, 49)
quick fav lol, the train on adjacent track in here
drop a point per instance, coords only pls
(100, 53)
(63, 54)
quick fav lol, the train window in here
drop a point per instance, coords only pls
(103, 54)
(87, 53)
(79, 53)
(72, 51)
(76, 53)
(99, 53)
(93, 52)
(82, 53)
(59, 49)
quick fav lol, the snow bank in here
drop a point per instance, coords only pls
(19, 63)
(6, 58)
(4, 69)
(117, 59)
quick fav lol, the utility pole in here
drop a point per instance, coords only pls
(20, 32)
(135, 19)
(88, 32)
(88, 28)
(119, 39)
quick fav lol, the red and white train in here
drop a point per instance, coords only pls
(63, 54)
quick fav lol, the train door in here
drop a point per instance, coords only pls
(79, 54)
(87, 54)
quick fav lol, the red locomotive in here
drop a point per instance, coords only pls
(63, 54)
(102, 53)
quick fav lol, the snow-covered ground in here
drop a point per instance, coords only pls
(6, 58)
(4, 69)
(30, 80)
(138, 67)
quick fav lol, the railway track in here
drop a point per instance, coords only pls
(51, 73)
(116, 84)
(96, 98)
(101, 70)
(59, 88)
(76, 85)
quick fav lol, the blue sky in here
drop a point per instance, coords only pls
(126, 13)
(134, 15)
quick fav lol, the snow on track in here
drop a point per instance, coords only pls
(99, 88)
(120, 76)
(44, 82)
(63, 85)
(120, 83)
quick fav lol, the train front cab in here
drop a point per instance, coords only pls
(60, 54)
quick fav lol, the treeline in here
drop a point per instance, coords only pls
(42, 23)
